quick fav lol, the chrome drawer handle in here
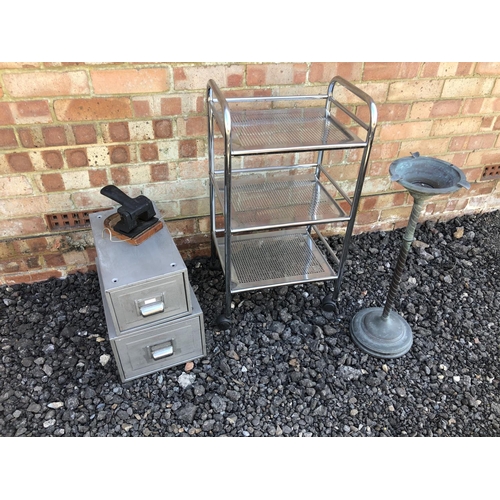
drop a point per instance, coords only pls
(149, 309)
(162, 352)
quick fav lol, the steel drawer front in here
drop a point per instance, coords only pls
(160, 347)
(148, 302)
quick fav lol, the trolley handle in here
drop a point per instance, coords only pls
(359, 93)
(214, 90)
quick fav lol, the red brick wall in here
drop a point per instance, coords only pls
(66, 130)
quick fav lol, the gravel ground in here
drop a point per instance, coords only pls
(287, 368)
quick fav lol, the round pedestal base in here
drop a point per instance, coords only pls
(383, 338)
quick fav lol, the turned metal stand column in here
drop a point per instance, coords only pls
(382, 332)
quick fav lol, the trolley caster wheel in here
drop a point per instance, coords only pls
(224, 322)
(328, 304)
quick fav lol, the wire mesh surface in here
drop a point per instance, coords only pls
(287, 129)
(276, 201)
(277, 257)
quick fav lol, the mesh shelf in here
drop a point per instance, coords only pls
(288, 129)
(278, 201)
(275, 258)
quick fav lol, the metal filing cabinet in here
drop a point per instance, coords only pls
(153, 318)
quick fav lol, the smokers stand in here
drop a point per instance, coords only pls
(379, 331)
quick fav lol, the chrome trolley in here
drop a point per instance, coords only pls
(271, 186)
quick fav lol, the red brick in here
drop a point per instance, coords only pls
(12, 279)
(464, 69)
(486, 123)
(98, 177)
(430, 69)
(473, 174)
(446, 108)
(235, 80)
(446, 69)
(54, 260)
(77, 158)
(163, 129)
(324, 72)
(119, 154)
(188, 149)
(388, 112)
(179, 75)
(6, 117)
(488, 68)
(52, 182)
(22, 227)
(407, 130)
(473, 106)
(484, 141)
(193, 246)
(275, 74)
(200, 103)
(53, 159)
(196, 125)
(390, 71)
(149, 152)
(95, 108)
(26, 138)
(119, 132)
(120, 176)
(31, 245)
(141, 108)
(32, 109)
(54, 136)
(159, 173)
(383, 201)
(85, 134)
(127, 81)
(171, 106)
(7, 138)
(256, 75)
(46, 83)
(20, 162)
(367, 217)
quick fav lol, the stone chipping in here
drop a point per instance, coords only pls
(286, 368)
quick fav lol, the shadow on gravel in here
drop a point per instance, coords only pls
(286, 368)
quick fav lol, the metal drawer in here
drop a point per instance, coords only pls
(161, 346)
(143, 284)
(144, 303)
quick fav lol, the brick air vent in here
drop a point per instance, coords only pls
(69, 220)
(491, 172)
